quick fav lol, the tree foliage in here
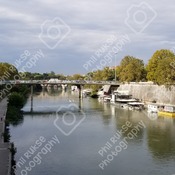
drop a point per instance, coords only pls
(159, 70)
(7, 71)
(44, 76)
(16, 99)
(159, 67)
(76, 77)
(106, 74)
(131, 69)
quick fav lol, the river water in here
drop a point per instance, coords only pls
(99, 138)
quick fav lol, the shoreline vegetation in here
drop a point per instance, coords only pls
(159, 70)
(16, 100)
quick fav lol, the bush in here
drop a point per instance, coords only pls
(21, 89)
(16, 99)
(14, 115)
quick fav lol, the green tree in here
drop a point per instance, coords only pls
(155, 64)
(7, 71)
(97, 75)
(26, 75)
(52, 74)
(89, 76)
(61, 77)
(16, 99)
(164, 73)
(106, 74)
(76, 77)
(131, 69)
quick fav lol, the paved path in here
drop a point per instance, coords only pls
(4, 147)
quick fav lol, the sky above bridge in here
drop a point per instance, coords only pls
(78, 36)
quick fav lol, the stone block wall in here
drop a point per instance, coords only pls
(148, 92)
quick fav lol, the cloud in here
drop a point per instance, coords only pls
(91, 23)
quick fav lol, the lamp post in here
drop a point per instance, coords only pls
(115, 67)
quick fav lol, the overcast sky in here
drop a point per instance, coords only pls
(78, 36)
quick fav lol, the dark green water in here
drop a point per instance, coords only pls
(99, 139)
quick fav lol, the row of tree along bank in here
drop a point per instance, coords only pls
(160, 70)
(16, 100)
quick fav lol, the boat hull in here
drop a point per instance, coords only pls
(168, 114)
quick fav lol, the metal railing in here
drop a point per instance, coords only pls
(73, 82)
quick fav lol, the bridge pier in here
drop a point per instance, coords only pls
(80, 95)
(31, 109)
(80, 92)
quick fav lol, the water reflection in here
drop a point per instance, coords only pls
(159, 132)
(160, 137)
(50, 91)
(133, 117)
(153, 146)
(106, 114)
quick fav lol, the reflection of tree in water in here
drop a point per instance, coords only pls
(106, 119)
(14, 116)
(50, 91)
(53, 92)
(161, 140)
(18, 121)
(95, 107)
(106, 114)
(93, 104)
(133, 117)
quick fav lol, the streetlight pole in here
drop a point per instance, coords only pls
(115, 67)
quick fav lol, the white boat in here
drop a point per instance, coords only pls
(125, 100)
(122, 98)
(169, 108)
(100, 92)
(155, 108)
(124, 106)
(104, 98)
(136, 106)
(107, 99)
(87, 92)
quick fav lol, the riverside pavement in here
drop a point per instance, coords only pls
(5, 154)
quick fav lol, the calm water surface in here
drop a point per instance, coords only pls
(87, 143)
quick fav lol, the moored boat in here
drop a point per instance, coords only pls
(104, 98)
(168, 111)
(155, 108)
(124, 106)
(107, 99)
(124, 97)
(164, 114)
(87, 92)
(136, 106)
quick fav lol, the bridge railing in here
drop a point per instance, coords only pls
(80, 82)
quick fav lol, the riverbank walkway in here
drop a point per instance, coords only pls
(5, 154)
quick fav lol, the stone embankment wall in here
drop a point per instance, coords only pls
(148, 92)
